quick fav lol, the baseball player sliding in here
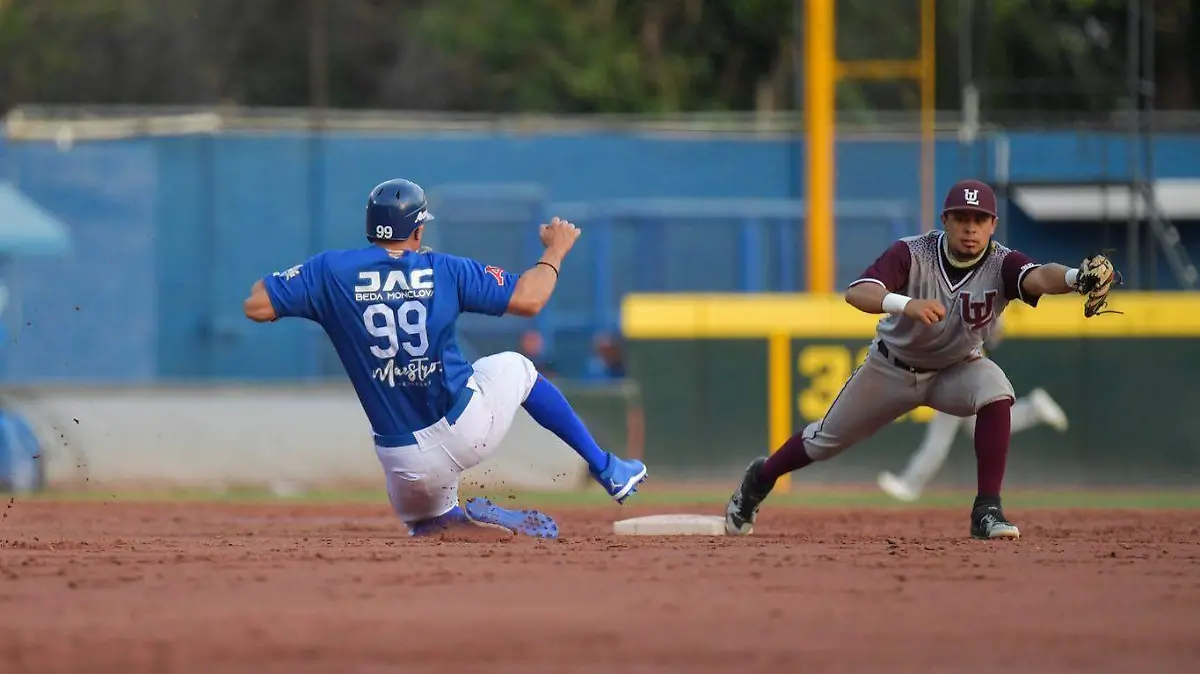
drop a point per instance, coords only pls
(940, 295)
(1027, 412)
(390, 309)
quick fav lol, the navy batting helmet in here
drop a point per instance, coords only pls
(395, 209)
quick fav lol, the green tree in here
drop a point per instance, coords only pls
(606, 56)
(613, 55)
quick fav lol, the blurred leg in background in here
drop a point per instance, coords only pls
(1029, 411)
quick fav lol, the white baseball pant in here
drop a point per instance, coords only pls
(422, 479)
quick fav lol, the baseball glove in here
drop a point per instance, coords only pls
(1096, 276)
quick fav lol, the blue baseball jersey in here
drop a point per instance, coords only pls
(391, 318)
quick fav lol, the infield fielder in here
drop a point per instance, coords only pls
(940, 294)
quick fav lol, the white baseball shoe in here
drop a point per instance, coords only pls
(897, 488)
(1048, 409)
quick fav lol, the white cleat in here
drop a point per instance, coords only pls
(897, 488)
(1048, 409)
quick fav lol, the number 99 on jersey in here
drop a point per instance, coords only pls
(822, 369)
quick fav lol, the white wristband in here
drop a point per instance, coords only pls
(1072, 277)
(894, 304)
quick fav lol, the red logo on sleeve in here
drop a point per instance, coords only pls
(496, 273)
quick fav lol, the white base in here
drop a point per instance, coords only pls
(671, 525)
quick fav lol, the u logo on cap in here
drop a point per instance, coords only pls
(972, 197)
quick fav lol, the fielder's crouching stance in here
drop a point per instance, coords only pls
(941, 294)
(390, 309)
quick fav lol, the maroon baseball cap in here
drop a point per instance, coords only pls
(970, 195)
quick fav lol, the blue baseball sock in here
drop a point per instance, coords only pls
(549, 408)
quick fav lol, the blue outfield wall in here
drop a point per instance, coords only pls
(169, 233)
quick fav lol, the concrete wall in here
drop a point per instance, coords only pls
(214, 437)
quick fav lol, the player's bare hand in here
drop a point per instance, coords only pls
(559, 235)
(926, 311)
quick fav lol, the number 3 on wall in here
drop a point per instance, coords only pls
(826, 368)
(409, 317)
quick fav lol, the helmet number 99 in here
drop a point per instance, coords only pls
(383, 231)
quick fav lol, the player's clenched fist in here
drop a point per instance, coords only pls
(926, 311)
(559, 235)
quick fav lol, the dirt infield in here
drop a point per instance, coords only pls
(119, 587)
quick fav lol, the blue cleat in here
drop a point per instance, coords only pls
(457, 525)
(620, 478)
(455, 518)
(527, 522)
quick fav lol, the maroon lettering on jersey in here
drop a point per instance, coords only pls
(977, 313)
(890, 269)
(1016, 265)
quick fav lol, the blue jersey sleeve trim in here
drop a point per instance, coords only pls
(482, 289)
(293, 292)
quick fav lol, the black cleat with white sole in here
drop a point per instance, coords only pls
(988, 521)
(742, 509)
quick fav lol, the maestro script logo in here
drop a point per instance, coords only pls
(416, 372)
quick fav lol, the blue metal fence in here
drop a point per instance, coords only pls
(169, 233)
(650, 245)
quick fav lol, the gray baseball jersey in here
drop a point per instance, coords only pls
(974, 298)
(913, 364)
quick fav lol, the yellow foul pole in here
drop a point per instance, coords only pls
(928, 112)
(819, 121)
